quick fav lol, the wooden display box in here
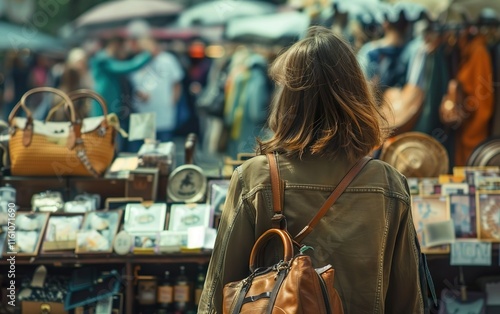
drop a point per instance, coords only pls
(32, 307)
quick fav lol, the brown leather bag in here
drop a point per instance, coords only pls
(452, 109)
(293, 285)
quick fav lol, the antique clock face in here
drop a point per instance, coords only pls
(187, 183)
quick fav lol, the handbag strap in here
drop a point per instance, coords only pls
(278, 192)
(277, 185)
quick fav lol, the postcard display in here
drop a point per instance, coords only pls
(136, 232)
(459, 215)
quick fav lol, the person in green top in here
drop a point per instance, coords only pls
(107, 69)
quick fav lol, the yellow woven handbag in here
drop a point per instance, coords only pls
(71, 148)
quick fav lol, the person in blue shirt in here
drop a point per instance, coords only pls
(107, 68)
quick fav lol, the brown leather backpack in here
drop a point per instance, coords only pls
(293, 285)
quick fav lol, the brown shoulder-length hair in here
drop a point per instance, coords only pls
(323, 104)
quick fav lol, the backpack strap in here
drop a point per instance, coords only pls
(278, 192)
(344, 183)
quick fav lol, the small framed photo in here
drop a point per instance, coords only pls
(454, 188)
(61, 232)
(172, 241)
(183, 216)
(140, 218)
(463, 213)
(29, 233)
(217, 190)
(413, 184)
(488, 215)
(145, 243)
(112, 203)
(98, 232)
(426, 210)
(429, 186)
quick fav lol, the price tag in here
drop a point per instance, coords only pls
(464, 253)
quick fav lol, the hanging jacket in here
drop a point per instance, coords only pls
(476, 77)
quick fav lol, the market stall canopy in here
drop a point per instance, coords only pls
(270, 28)
(122, 11)
(366, 11)
(16, 37)
(472, 9)
(434, 7)
(219, 12)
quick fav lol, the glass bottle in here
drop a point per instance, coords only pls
(165, 295)
(200, 281)
(182, 291)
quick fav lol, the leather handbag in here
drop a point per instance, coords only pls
(452, 108)
(71, 148)
(293, 285)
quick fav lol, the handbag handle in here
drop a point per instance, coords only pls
(22, 102)
(261, 242)
(74, 133)
(79, 94)
(344, 183)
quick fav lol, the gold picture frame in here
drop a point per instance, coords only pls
(488, 215)
(98, 231)
(61, 231)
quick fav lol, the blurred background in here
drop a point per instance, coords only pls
(201, 66)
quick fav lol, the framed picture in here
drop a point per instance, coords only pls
(145, 243)
(98, 232)
(140, 218)
(429, 186)
(217, 191)
(121, 202)
(183, 216)
(172, 241)
(463, 213)
(61, 232)
(488, 215)
(429, 209)
(454, 188)
(30, 228)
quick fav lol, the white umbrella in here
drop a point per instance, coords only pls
(270, 27)
(125, 10)
(219, 12)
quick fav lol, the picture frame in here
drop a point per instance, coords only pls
(463, 213)
(98, 231)
(61, 232)
(183, 216)
(429, 186)
(30, 228)
(113, 203)
(145, 243)
(141, 218)
(488, 215)
(172, 241)
(217, 191)
(429, 209)
(454, 188)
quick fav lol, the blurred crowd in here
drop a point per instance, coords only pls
(222, 92)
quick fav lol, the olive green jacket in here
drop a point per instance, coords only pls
(368, 235)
